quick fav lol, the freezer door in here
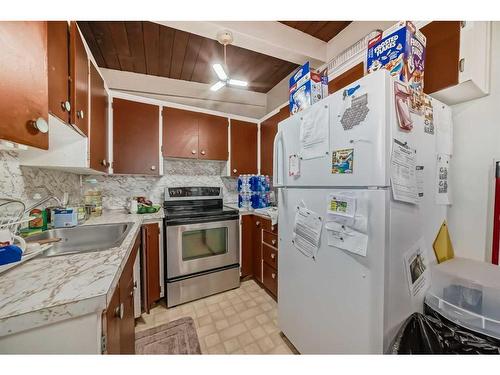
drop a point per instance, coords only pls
(359, 149)
(332, 304)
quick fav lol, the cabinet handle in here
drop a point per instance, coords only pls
(257, 223)
(131, 293)
(40, 124)
(235, 170)
(273, 275)
(203, 152)
(119, 311)
(273, 242)
(66, 106)
(80, 114)
(104, 163)
(273, 256)
(135, 284)
(153, 167)
(193, 152)
(461, 65)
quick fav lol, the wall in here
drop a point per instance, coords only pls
(117, 189)
(23, 182)
(476, 136)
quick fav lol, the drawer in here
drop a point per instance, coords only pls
(270, 256)
(270, 238)
(266, 225)
(270, 279)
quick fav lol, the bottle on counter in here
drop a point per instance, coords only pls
(93, 197)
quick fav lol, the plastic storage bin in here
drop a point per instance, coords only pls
(467, 292)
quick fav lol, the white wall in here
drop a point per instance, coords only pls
(476, 144)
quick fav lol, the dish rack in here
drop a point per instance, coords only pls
(11, 217)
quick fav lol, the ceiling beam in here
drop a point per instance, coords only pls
(228, 100)
(268, 37)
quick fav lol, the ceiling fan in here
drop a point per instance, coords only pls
(225, 38)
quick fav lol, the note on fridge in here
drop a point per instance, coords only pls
(444, 131)
(403, 172)
(416, 264)
(307, 231)
(314, 132)
(293, 165)
(341, 205)
(442, 185)
(420, 180)
(346, 238)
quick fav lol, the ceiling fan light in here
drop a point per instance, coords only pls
(220, 72)
(237, 82)
(217, 86)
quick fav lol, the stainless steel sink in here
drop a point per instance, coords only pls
(82, 239)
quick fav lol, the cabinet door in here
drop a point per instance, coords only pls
(127, 321)
(268, 130)
(98, 142)
(135, 137)
(346, 78)
(112, 324)
(212, 137)
(247, 245)
(58, 59)
(243, 148)
(23, 82)
(150, 265)
(442, 55)
(257, 248)
(79, 69)
(180, 133)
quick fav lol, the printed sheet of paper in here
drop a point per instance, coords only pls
(346, 238)
(293, 165)
(416, 264)
(403, 173)
(341, 205)
(307, 231)
(314, 132)
(420, 180)
(444, 131)
(443, 194)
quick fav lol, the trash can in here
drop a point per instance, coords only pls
(461, 312)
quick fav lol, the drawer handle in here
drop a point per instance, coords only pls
(273, 256)
(273, 275)
(273, 242)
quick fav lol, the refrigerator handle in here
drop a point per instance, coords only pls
(277, 173)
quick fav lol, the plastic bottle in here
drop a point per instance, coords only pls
(93, 197)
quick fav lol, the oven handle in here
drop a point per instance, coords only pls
(184, 221)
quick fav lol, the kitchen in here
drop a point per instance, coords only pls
(202, 187)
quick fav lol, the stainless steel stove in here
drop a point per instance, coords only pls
(201, 242)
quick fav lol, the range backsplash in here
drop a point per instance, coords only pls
(23, 182)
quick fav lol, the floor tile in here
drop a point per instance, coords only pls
(212, 340)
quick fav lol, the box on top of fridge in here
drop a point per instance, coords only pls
(401, 50)
(306, 88)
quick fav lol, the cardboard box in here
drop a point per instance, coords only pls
(306, 88)
(401, 50)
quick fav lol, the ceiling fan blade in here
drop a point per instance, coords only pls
(237, 82)
(219, 70)
(218, 85)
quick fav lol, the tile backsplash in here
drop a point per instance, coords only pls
(23, 182)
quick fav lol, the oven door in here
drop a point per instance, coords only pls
(193, 248)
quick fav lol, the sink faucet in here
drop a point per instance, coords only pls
(42, 201)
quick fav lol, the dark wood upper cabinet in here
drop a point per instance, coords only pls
(212, 137)
(346, 78)
(58, 60)
(150, 265)
(268, 130)
(180, 133)
(98, 141)
(23, 82)
(135, 137)
(442, 55)
(243, 148)
(79, 70)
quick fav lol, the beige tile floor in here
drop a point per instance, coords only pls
(239, 321)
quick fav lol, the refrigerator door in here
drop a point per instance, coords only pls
(334, 303)
(365, 141)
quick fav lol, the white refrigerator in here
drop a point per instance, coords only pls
(340, 302)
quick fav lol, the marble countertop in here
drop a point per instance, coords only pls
(47, 290)
(244, 211)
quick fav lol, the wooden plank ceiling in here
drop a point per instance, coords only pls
(324, 30)
(150, 48)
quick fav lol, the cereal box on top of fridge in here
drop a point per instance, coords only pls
(401, 50)
(306, 88)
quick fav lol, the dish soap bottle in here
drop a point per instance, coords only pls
(93, 197)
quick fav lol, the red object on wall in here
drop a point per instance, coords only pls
(496, 218)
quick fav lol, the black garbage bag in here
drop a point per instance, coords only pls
(433, 334)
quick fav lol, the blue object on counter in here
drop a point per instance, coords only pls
(10, 254)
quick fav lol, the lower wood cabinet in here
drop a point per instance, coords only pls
(247, 245)
(150, 265)
(118, 319)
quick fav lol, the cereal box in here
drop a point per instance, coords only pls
(306, 88)
(401, 50)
